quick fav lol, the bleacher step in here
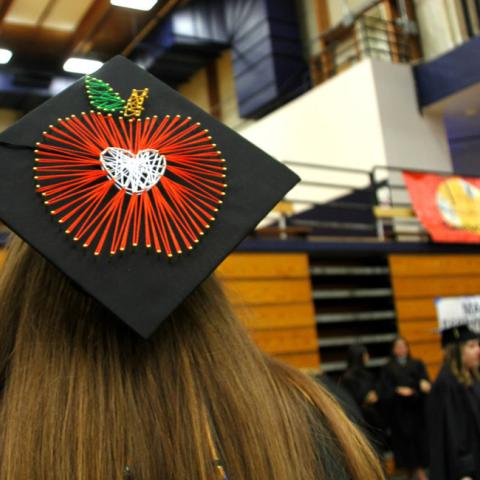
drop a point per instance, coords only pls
(351, 340)
(355, 317)
(352, 293)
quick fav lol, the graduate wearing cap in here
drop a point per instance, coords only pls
(454, 408)
(120, 356)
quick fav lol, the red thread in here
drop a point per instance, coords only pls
(170, 216)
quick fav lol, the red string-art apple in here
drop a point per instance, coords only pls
(115, 181)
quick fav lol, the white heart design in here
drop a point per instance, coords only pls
(134, 173)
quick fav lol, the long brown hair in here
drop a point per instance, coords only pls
(453, 360)
(84, 397)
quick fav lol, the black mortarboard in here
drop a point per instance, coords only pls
(136, 202)
(458, 334)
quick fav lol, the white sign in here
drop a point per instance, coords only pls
(455, 311)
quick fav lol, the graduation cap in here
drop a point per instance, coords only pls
(458, 334)
(132, 191)
(458, 318)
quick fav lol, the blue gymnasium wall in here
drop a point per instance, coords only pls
(264, 36)
(448, 74)
(464, 139)
(445, 76)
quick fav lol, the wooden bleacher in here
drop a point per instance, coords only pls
(417, 281)
(272, 293)
(393, 212)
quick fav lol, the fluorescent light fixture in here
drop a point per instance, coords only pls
(81, 65)
(144, 5)
(5, 55)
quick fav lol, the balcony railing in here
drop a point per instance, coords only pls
(366, 35)
(374, 205)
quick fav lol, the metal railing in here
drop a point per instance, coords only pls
(370, 31)
(366, 36)
(381, 188)
(341, 203)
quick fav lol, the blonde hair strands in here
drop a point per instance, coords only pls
(84, 396)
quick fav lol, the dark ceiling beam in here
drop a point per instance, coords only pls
(168, 6)
(46, 11)
(96, 15)
(4, 6)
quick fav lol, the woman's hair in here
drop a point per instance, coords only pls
(356, 356)
(453, 359)
(84, 396)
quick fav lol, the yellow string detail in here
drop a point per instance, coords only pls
(134, 105)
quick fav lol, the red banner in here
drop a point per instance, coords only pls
(448, 207)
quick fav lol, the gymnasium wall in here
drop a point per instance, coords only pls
(440, 16)
(364, 117)
(196, 90)
(272, 294)
(8, 117)
(337, 10)
(419, 279)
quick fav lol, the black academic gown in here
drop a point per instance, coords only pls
(358, 382)
(343, 397)
(405, 416)
(454, 425)
(329, 456)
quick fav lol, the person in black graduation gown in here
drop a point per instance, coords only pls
(343, 397)
(361, 384)
(404, 385)
(454, 409)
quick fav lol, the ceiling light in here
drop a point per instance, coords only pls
(135, 4)
(81, 65)
(59, 84)
(5, 55)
